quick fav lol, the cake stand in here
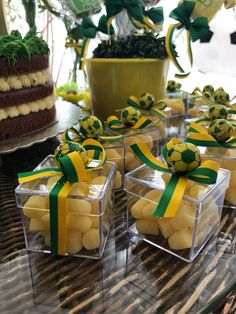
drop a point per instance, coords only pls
(67, 114)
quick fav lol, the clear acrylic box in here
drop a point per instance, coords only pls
(150, 135)
(196, 220)
(227, 160)
(177, 102)
(89, 211)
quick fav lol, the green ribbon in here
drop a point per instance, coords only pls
(183, 13)
(157, 107)
(195, 30)
(89, 29)
(133, 7)
(73, 135)
(138, 15)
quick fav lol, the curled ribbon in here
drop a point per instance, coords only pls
(141, 18)
(72, 169)
(89, 30)
(195, 30)
(172, 196)
(156, 108)
(114, 123)
(73, 135)
(199, 136)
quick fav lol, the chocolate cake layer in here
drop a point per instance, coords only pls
(23, 66)
(13, 127)
(25, 95)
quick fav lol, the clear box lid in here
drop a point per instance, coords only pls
(41, 188)
(145, 176)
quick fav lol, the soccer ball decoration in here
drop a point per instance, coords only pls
(91, 127)
(217, 112)
(146, 101)
(221, 130)
(222, 97)
(183, 157)
(69, 147)
(130, 116)
(172, 86)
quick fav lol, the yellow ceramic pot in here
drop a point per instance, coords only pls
(112, 81)
(207, 8)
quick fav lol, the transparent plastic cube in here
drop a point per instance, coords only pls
(227, 159)
(196, 220)
(89, 211)
(150, 135)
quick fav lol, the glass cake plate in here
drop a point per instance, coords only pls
(67, 114)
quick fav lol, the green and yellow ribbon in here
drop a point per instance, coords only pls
(114, 123)
(194, 31)
(157, 108)
(147, 19)
(72, 169)
(73, 135)
(199, 136)
(172, 196)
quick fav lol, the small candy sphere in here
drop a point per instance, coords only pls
(146, 101)
(91, 127)
(218, 112)
(69, 147)
(222, 98)
(221, 130)
(130, 116)
(208, 88)
(183, 157)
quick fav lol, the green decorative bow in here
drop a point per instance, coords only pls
(195, 30)
(141, 18)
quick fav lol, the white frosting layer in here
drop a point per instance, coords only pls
(24, 80)
(24, 109)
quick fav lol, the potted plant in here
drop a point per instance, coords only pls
(127, 65)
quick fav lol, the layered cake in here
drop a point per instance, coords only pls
(26, 89)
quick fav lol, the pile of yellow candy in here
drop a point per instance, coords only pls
(229, 164)
(82, 221)
(179, 229)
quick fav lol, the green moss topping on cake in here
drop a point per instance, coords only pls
(14, 46)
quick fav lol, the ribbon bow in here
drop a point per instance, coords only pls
(172, 196)
(72, 169)
(157, 107)
(139, 17)
(73, 135)
(195, 30)
(114, 123)
(199, 136)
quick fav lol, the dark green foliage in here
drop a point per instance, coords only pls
(134, 46)
(13, 46)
